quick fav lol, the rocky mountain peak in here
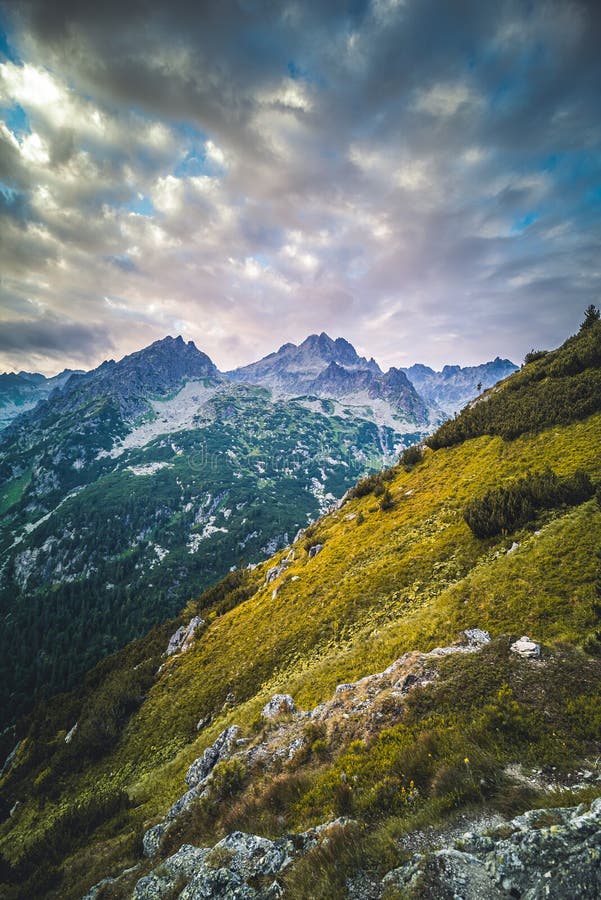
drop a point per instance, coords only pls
(454, 386)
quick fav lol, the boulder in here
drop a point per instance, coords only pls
(526, 648)
(279, 705)
(71, 733)
(314, 550)
(202, 767)
(240, 867)
(181, 866)
(276, 571)
(448, 873)
(476, 637)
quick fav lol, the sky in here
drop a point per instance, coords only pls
(421, 177)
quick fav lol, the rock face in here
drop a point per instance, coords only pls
(202, 767)
(328, 368)
(197, 777)
(240, 867)
(545, 853)
(526, 648)
(181, 640)
(279, 705)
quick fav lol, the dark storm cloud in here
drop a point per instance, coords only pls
(49, 336)
(277, 168)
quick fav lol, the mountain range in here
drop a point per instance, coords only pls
(20, 391)
(451, 388)
(401, 701)
(140, 483)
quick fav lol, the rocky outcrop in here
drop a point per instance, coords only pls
(240, 867)
(526, 648)
(71, 733)
(279, 705)
(197, 778)
(545, 853)
(7, 765)
(202, 767)
(181, 640)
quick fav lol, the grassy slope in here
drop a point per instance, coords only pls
(410, 577)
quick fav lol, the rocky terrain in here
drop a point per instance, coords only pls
(541, 853)
(327, 368)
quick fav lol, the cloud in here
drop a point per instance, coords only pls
(49, 337)
(420, 181)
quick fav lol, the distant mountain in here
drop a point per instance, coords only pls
(332, 369)
(136, 485)
(21, 391)
(453, 387)
(422, 664)
(144, 481)
(294, 369)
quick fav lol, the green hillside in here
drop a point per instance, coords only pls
(399, 570)
(124, 542)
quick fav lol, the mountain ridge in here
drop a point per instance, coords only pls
(453, 386)
(385, 583)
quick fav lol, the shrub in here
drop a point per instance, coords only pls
(227, 779)
(386, 501)
(534, 355)
(411, 456)
(369, 485)
(507, 508)
(562, 387)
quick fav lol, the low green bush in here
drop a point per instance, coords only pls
(506, 508)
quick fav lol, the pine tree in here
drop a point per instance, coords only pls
(591, 315)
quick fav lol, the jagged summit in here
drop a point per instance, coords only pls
(293, 367)
(331, 368)
(125, 386)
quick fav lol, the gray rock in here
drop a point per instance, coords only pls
(240, 867)
(71, 733)
(182, 639)
(526, 648)
(276, 571)
(279, 705)
(10, 759)
(314, 550)
(151, 842)
(449, 873)
(179, 867)
(202, 767)
(476, 637)
(97, 888)
(186, 800)
(544, 853)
